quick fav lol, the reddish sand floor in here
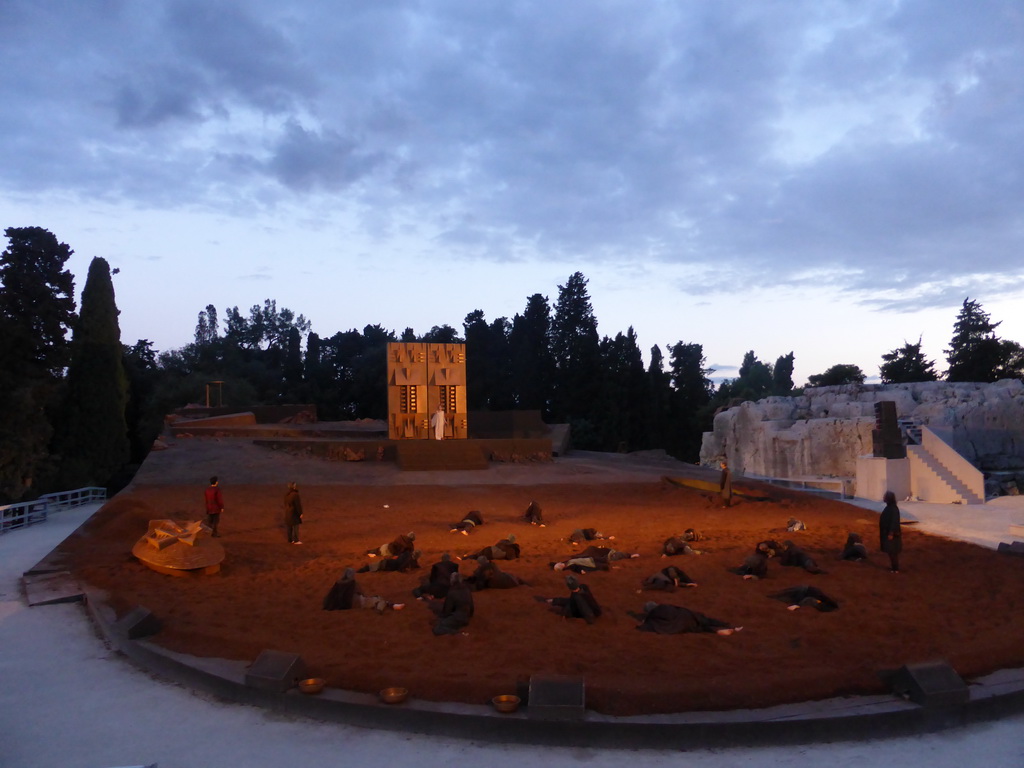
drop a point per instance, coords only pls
(953, 601)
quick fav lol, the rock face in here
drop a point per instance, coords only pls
(824, 430)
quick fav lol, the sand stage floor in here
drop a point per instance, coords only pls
(953, 601)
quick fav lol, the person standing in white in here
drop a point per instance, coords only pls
(438, 421)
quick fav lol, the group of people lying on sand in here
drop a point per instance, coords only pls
(450, 594)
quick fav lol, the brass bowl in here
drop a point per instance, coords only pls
(394, 695)
(312, 685)
(506, 702)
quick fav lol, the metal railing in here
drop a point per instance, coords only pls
(30, 512)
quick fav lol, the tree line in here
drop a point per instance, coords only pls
(75, 411)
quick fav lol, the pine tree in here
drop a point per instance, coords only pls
(91, 437)
(575, 349)
(782, 375)
(975, 352)
(907, 364)
(692, 390)
(533, 367)
(37, 307)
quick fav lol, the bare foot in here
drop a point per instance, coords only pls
(398, 606)
(792, 607)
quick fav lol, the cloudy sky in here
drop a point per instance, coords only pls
(825, 177)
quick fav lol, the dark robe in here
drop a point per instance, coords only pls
(580, 604)
(890, 534)
(769, 547)
(402, 563)
(292, 507)
(469, 522)
(342, 595)
(854, 549)
(807, 596)
(603, 555)
(439, 580)
(503, 550)
(534, 514)
(456, 611)
(489, 576)
(401, 543)
(674, 545)
(755, 565)
(667, 579)
(665, 619)
(795, 557)
(585, 534)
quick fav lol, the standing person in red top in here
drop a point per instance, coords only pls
(214, 505)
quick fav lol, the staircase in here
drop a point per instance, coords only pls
(940, 475)
(943, 486)
(439, 455)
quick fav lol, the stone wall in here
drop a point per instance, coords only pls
(824, 430)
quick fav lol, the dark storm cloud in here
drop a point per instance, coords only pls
(795, 142)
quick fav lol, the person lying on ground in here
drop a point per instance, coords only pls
(587, 534)
(676, 545)
(440, 578)
(506, 549)
(667, 619)
(795, 557)
(403, 563)
(346, 594)
(398, 545)
(457, 609)
(667, 579)
(593, 559)
(754, 566)
(489, 576)
(534, 515)
(468, 524)
(580, 603)
(854, 549)
(805, 596)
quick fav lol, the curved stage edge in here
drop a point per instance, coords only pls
(841, 719)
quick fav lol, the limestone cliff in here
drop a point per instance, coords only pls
(824, 430)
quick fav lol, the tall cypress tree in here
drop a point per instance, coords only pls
(37, 307)
(532, 366)
(92, 435)
(576, 349)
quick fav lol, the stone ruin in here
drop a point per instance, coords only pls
(179, 548)
(822, 433)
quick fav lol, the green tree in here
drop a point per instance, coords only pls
(843, 373)
(782, 375)
(91, 438)
(907, 364)
(37, 307)
(975, 352)
(575, 349)
(532, 364)
(659, 401)
(623, 393)
(692, 392)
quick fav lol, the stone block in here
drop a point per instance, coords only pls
(275, 671)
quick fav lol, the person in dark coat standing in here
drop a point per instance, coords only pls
(214, 505)
(293, 512)
(889, 534)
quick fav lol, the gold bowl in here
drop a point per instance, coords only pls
(312, 685)
(394, 695)
(506, 702)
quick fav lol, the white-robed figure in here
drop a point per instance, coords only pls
(438, 421)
